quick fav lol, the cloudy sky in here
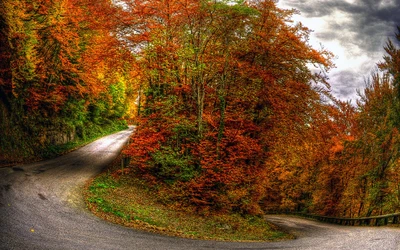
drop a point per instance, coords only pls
(354, 30)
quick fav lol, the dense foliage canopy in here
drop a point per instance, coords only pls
(230, 101)
(236, 116)
(232, 105)
(63, 73)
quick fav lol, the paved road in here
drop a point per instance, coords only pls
(316, 235)
(41, 208)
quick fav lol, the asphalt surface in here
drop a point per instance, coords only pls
(41, 207)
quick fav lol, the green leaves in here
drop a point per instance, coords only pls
(226, 84)
(59, 70)
(171, 166)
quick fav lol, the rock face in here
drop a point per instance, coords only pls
(58, 137)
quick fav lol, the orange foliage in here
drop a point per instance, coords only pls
(228, 93)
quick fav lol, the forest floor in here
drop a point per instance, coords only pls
(128, 201)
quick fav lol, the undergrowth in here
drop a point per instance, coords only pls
(128, 201)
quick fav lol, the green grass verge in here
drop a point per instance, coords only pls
(129, 202)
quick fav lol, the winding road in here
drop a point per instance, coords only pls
(41, 207)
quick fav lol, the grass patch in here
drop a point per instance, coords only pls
(129, 202)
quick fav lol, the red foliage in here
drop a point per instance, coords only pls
(229, 101)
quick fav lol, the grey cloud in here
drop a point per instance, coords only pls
(371, 21)
(368, 25)
(345, 84)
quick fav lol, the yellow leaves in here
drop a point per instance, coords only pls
(237, 194)
(14, 13)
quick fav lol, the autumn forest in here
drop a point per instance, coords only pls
(232, 105)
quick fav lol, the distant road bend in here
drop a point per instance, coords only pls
(41, 208)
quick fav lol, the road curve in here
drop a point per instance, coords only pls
(41, 208)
